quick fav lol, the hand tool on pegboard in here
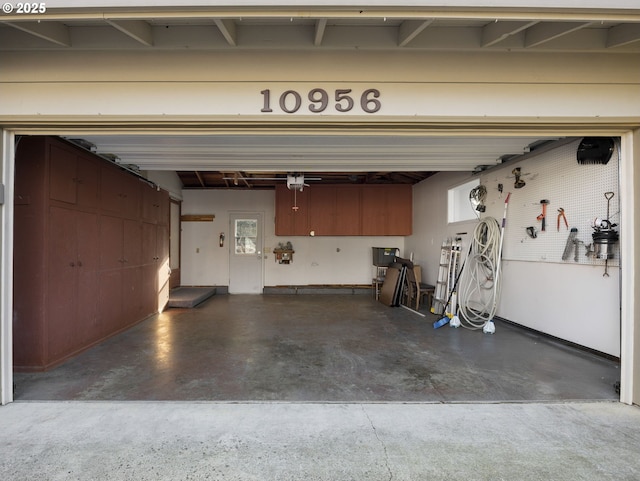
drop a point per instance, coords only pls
(543, 217)
(562, 216)
(573, 243)
(519, 183)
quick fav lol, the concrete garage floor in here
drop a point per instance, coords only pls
(320, 348)
(333, 350)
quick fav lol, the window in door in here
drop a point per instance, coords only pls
(246, 235)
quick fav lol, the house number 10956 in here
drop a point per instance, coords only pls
(290, 101)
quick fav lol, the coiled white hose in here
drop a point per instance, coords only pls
(479, 289)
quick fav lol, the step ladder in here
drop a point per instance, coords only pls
(447, 272)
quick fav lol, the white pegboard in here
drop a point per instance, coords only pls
(556, 176)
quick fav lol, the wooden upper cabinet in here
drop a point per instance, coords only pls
(164, 207)
(338, 210)
(110, 192)
(155, 205)
(120, 194)
(399, 209)
(291, 211)
(374, 210)
(62, 174)
(348, 210)
(322, 210)
(387, 209)
(334, 210)
(87, 182)
(73, 178)
(150, 204)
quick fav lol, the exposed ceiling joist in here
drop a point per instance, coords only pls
(138, 30)
(200, 179)
(625, 34)
(54, 32)
(243, 176)
(547, 31)
(228, 30)
(495, 32)
(320, 28)
(410, 29)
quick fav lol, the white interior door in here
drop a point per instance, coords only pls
(245, 256)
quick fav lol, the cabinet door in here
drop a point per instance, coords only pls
(348, 211)
(149, 289)
(109, 301)
(73, 178)
(155, 266)
(73, 283)
(164, 207)
(163, 269)
(374, 210)
(132, 296)
(130, 190)
(150, 204)
(132, 243)
(111, 242)
(110, 194)
(119, 192)
(149, 251)
(284, 219)
(162, 244)
(62, 283)
(399, 209)
(87, 270)
(291, 212)
(62, 174)
(387, 210)
(87, 182)
(322, 210)
(154, 205)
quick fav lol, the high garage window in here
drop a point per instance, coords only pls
(459, 208)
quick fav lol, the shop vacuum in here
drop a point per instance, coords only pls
(604, 236)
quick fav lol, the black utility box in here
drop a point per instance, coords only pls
(383, 256)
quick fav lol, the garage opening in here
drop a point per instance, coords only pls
(318, 333)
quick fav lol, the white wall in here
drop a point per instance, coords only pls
(430, 227)
(317, 260)
(204, 262)
(572, 301)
